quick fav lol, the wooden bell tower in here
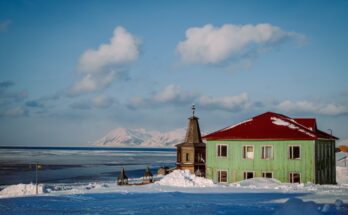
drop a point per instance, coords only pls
(191, 153)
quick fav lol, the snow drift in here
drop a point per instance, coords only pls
(183, 178)
(21, 190)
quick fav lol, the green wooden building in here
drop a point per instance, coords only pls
(271, 145)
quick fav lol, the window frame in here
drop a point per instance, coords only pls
(219, 151)
(245, 158)
(245, 172)
(292, 181)
(262, 146)
(219, 176)
(290, 156)
(265, 172)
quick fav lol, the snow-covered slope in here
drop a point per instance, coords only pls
(123, 137)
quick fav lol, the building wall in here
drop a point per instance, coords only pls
(280, 165)
(182, 163)
(325, 162)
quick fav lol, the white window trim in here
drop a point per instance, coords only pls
(217, 150)
(248, 172)
(293, 152)
(262, 172)
(271, 152)
(219, 175)
(245, 158)
(290, 177)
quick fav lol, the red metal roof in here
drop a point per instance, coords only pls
(271, 126)
(308, 122)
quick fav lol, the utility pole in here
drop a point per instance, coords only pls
(37, 190)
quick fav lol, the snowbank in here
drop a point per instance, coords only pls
(21, 190)
(183, 181)
(183, 178)
(259, 183)
(293, 205)
(342, 175)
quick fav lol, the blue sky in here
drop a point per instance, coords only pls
(73, 70)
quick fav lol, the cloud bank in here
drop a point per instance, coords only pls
(330, 109)
(174, 95)
(100, 102)
(14, 112)
(229, 103)
(212, 45)
(101, 66)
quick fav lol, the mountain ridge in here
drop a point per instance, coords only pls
(140, 137)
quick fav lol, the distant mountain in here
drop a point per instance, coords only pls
(123, 137)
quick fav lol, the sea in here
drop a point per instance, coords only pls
(78, 164)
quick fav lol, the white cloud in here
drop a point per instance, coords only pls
(211, 45)
(136, 102)
(102, 101)
(173, 93)
(4, 25)
(311, 107)
(14, 112)
(229, 103)
(102, 66)
(81, 105)
(92, 83)
(123, 48)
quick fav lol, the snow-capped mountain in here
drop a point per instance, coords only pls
(123, 137)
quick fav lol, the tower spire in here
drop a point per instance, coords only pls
(193, 110)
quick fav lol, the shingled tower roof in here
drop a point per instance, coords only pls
(193, 132)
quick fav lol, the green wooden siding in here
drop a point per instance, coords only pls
(280, 164)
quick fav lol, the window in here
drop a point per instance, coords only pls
(179, 156)
(248, 175)
(222, 150)
(294, 177)
(294, 152)
(222, 176)
(267, 174)
(248, 152)
(266, 152)
(187, 157)
(200, 158)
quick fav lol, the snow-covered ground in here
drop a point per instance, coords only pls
(180, 192)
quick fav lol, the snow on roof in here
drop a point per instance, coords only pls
(307, 122)
(290, 125)
(235, 125)
(271, 126)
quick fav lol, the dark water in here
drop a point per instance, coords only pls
(78, 164)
